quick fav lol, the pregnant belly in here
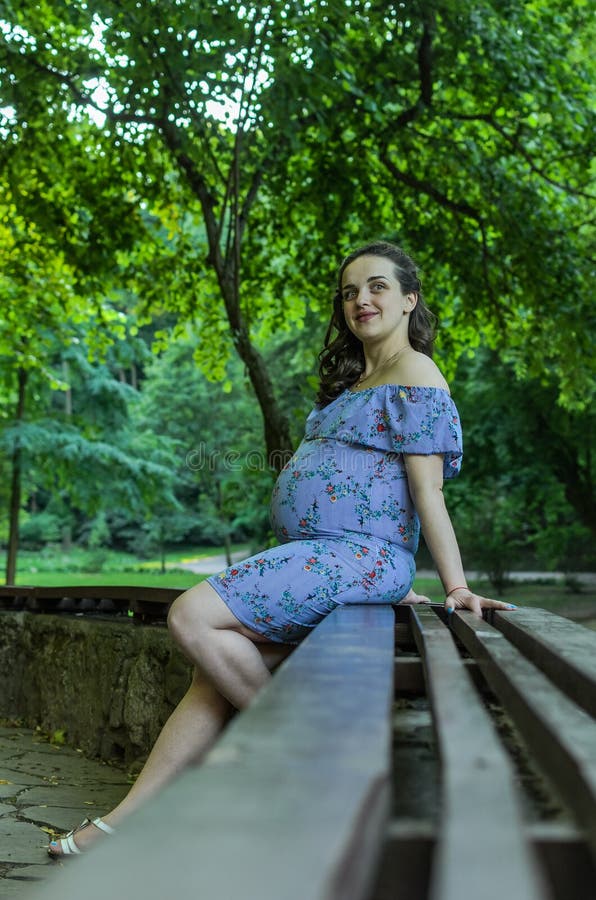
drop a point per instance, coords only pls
(335, 491)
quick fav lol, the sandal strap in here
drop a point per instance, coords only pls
(103, 826)
(68, 845)
(83, 824)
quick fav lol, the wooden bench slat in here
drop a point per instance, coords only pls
(410, 846)
(292, 801)
(564, 650)
(561, 735)
(481, 822)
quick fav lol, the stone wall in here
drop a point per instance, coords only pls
(110, 685)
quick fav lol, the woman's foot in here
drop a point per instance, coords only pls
(86, 834)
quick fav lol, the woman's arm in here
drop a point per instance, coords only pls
(425, 483)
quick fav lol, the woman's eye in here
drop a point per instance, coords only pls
(378, 286)
(348, 295)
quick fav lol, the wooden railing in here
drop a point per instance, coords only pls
(142, 604)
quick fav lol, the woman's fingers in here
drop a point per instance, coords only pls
(412, 598)
(497, 604)
(465, 599)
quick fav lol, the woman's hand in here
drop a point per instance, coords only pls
(413, 598)
(464, 598)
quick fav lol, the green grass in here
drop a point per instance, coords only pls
(52, 567)
(175, 579)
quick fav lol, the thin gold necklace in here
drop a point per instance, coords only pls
(382, 365)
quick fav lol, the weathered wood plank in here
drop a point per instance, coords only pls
(481, 820)
(564, 650)
(293, 800)
(409, 676)
(409, 848)
(561, 735)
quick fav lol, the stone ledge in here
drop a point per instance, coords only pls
(109, 685)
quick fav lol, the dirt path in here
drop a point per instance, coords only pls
(211, 565)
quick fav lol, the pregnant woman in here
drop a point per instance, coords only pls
(346, 510)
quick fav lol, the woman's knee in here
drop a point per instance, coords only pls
(184, 617)
(197, 615)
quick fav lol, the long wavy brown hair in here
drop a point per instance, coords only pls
(341, 361)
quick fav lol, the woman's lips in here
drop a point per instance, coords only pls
(365, 317)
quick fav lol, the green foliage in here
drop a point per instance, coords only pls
(222, 476)
(206, 171)
(39, 529)
(526, 492)
(80, 456)
(276, 136)
(492, 525)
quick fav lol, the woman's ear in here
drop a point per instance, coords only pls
(410, 302)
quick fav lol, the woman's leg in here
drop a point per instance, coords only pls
(214, 639)
(193, 726)
(186, 736)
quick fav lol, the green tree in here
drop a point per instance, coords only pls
(74, 452)
(263, 139)
(526, 493)
(39, 303)
(222, 475)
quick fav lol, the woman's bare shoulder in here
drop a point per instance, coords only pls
(418, 370)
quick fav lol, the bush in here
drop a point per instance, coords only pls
(37, 530)
(491, 530)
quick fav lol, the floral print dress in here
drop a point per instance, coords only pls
(342, 511)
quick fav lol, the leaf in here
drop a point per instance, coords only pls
(58, 737)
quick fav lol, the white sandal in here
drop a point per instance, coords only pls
(66, 846)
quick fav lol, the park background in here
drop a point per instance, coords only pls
(178, 182)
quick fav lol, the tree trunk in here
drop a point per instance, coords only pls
(276, 426)
(15, 489)
(66, 543)
(68, 391)
(226, 266)
(278, 442)
(228, 548)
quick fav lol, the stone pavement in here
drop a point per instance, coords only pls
(44, 789)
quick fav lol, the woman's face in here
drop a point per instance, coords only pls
(373, 301)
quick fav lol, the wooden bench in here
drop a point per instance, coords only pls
(394, 754)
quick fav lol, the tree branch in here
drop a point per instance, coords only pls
(424, 75)
(514, 141)
(425, 64)
(460, 208)
(429, 189)
(82, 98)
